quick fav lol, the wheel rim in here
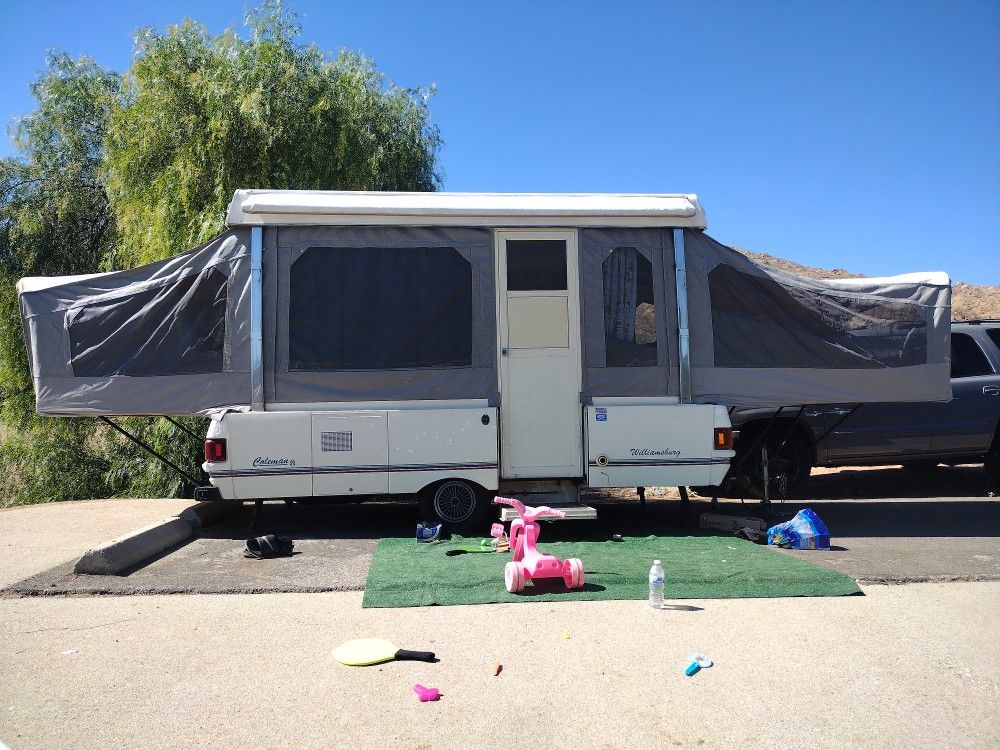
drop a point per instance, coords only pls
(454, 502)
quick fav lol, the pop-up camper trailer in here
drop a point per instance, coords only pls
(448, 344)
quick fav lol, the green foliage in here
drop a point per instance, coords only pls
(116, 170)
(54, 220)
(206, 115)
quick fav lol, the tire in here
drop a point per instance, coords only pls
(513, 577)
(787, 472)
(573, 574)
(992, 466)
(456, 503)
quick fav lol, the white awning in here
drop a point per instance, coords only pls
(257, 207)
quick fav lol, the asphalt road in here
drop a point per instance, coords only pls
(876, 541)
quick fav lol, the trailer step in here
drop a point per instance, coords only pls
(573, 513)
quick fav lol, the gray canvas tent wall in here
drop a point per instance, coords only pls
(396, 301)
(171, 337)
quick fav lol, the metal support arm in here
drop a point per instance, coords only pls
(256, 318)
(152, 451)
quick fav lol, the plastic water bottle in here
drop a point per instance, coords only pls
(656, 578)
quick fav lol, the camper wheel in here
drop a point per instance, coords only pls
(456, 503)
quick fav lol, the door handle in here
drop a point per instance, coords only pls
(991, 390)
(503, 351)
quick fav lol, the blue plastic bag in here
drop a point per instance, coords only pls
(804, 531)
(428, 533)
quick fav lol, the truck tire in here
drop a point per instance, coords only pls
(787, 472)
(457, 503)
(992, 465)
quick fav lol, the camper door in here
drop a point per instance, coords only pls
(539, 357)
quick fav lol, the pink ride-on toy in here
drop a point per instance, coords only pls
(528, 563)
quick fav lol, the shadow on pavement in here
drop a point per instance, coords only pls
(879, 539)
(959, 517)
(320, 520)
(896, 482)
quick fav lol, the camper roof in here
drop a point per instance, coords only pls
(261, 207)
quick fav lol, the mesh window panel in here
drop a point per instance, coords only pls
(759, 322)
(336, 441)
(629, 311)
(177, 329)
(380, 308)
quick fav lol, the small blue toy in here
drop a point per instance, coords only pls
(697, 663)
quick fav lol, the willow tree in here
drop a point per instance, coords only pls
(54, 220)
(205, 115)
(119, 170)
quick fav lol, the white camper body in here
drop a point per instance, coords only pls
(406, 447)
(537, 432)
(455, 344)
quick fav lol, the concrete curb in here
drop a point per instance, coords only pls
(128, 551)
(204, 514)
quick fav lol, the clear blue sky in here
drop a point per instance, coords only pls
(862, 135)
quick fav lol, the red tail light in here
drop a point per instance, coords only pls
(215, 450)
(723, 439)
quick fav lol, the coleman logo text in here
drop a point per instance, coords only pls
(265, 461)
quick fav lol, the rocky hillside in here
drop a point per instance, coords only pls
(968, 302)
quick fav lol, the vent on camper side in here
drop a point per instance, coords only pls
(336, 441)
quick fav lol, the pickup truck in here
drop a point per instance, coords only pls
(915, 435)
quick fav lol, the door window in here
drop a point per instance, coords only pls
(967, 359)
(536, 265)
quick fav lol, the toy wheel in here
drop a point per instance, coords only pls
(513, 577)
(573, 573)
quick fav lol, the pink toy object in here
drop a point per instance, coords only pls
(426, 694)
(528, 563)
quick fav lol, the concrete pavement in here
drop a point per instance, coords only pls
(903, 666)
(34, 538)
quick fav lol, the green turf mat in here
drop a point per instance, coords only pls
(406, 573)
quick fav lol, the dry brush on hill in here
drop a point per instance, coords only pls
(969, 301)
